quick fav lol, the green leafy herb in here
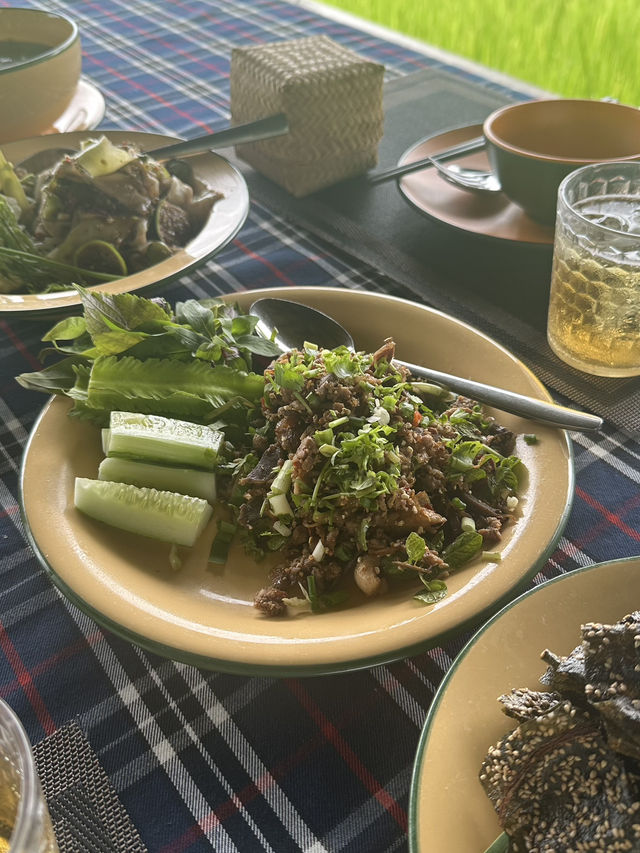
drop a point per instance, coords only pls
(463, 549)
(290, 376)
(132, 353)
(21, 264)
(341, 362)
(416, 547)
(435, 590)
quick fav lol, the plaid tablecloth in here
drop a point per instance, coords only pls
(199, 760)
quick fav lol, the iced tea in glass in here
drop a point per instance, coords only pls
(594, 304)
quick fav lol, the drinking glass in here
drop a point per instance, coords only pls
(25, 826)
(594, 304)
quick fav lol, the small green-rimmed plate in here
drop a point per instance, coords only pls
(225, 220)
(449, 809)
(206, 618)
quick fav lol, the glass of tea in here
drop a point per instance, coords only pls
(25, 826)
(594, 304)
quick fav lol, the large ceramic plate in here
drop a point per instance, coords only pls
(226, 219)
(448, 807)
(207, 617)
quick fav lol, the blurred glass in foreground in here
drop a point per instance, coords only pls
(25, 826)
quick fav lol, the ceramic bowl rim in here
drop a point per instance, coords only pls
(50, 52)
(501, 144)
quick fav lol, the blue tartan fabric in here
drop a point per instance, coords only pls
(205, 761)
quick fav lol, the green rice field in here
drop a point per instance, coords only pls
(574, 48)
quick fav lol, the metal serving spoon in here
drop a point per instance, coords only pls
(294, 324)
(263, 128)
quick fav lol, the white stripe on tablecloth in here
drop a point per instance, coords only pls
(400, 695)
(37, 603)
(147, 62)
(605, 449)
(573, 552)
(423, 678)
(212, 832)
(342, 835)
(249, 759)
(167, 758)
(14, 427)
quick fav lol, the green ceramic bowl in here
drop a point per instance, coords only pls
(532, 146)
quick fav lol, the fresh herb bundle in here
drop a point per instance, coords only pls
(130, 353)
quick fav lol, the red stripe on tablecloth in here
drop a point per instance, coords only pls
(274, 269)
(90, 58)
(343, 749)
(245, 796)
(147, 34)
(611, 517)
(219, 22)
(26, 682)
(51, 662)
(18, 344)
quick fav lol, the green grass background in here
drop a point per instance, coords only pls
(574, 48)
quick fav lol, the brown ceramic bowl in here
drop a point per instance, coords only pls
(532, 146)
(37, 89)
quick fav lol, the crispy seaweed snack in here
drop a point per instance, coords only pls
(568, 777)
(605, 670)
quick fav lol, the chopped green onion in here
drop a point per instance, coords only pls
(491, 556)
(222, 542)
(282, 481)
(338, 422)
(323, 436)
(318, 552)
(280, 505)
(328, 449)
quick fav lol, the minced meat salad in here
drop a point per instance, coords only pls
(358, 471)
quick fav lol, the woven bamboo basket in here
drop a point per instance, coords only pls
(333, 102)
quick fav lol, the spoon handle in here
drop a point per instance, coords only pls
(510, 401)
(475, 144)
(263, 128)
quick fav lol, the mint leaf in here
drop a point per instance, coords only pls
(258, 346)
(416, 547)
(125, 311)
(201, 319)
(435, 591)
(464, 548)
